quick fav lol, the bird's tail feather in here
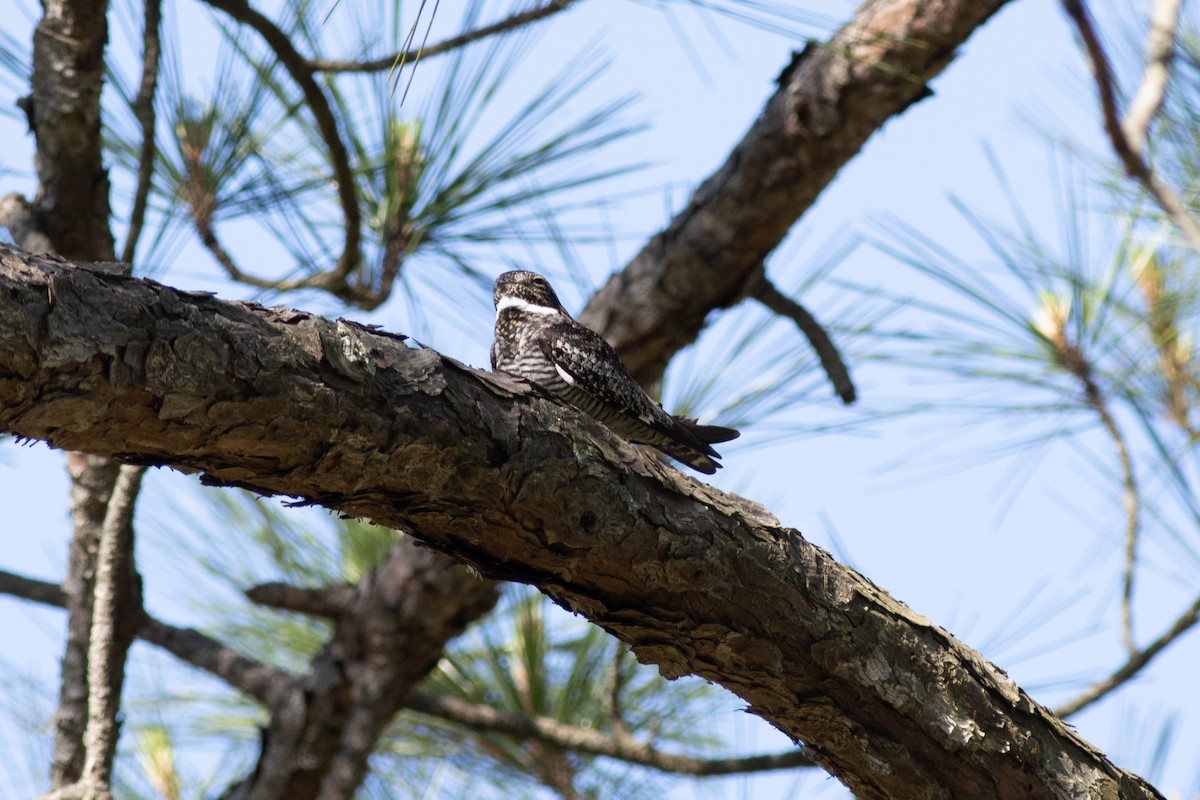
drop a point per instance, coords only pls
(691, 444)
(709, 434)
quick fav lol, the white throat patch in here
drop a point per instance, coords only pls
(523, 305)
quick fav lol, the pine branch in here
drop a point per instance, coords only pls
(336, 279)
(1131, 498)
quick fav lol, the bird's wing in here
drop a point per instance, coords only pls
(589, 365)
(595, 380)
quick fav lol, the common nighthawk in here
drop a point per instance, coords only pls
(538, 340)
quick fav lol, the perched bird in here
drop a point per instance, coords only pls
(538, 340)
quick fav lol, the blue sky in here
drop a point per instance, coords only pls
(966, 546)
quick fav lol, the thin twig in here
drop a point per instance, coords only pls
(331, 281)
(343, 176)
(509, 23)
(831, 360)
(1076, 363)
(252, 678)
(1160, 50)
(143, 106)
(1131, 501)
(1131, 158)
(593, 742)
(1136, 662)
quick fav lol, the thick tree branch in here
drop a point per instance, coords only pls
(830, 100)
(509, 23)
(695, 581)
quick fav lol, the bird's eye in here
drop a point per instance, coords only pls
(540, 282)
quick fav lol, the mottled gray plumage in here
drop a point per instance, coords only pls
(537, 339)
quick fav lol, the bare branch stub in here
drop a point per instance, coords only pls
(323, 601)
(827, 352)
(17, 214)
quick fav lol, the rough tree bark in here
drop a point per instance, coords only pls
(387, 637)
(64, 115)
(830, 100)
(696, 581)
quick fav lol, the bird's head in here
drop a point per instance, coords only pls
(526, 291)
